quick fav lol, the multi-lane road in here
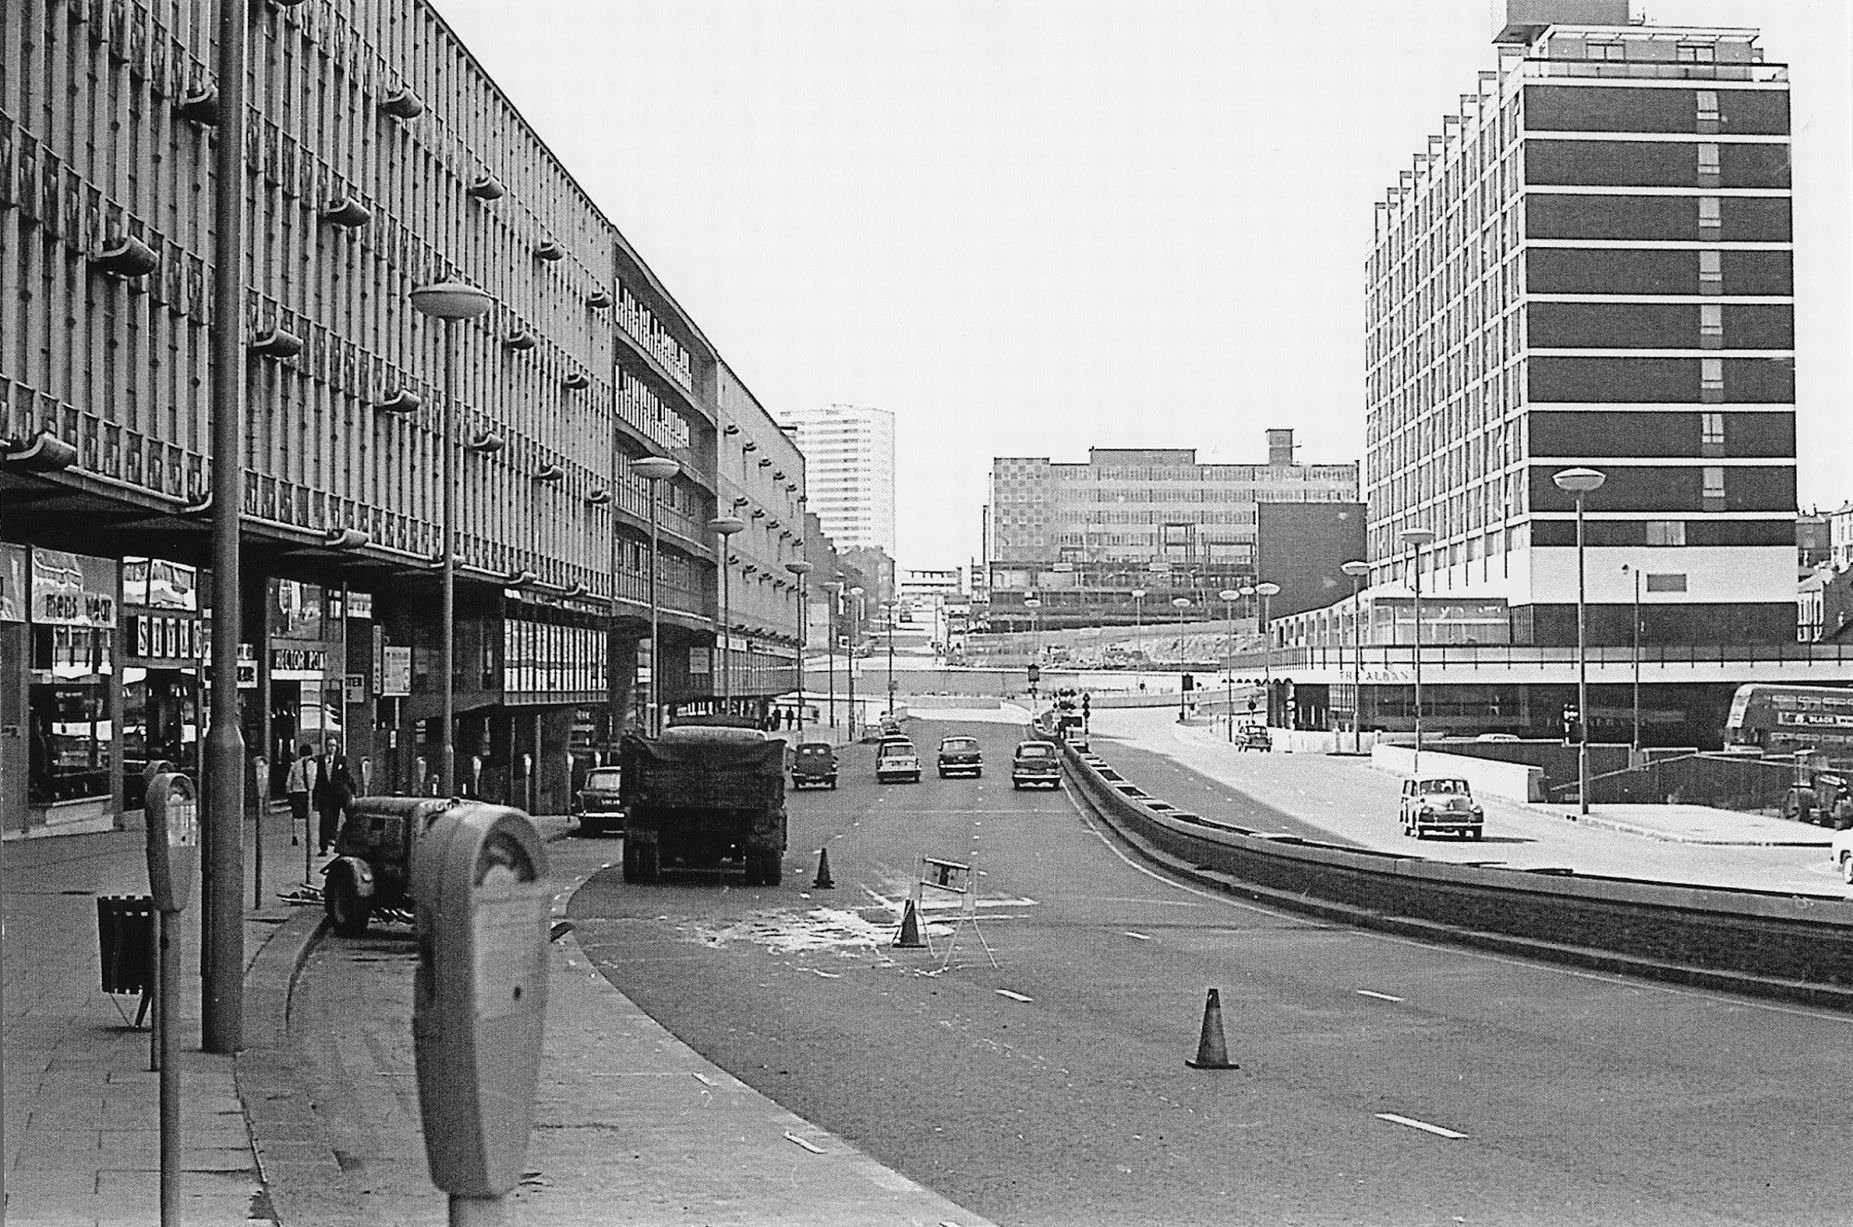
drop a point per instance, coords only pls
(1381, 1080)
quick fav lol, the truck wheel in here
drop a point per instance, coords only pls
(630, 861)
(347, 911)
(648, 864)
(763, 867)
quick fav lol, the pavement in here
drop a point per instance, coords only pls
(270, 1137)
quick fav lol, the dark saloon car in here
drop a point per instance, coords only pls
(599, 811)
(960, 756)
(1035, 763)
(813, 763)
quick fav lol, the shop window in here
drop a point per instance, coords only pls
(68, 704)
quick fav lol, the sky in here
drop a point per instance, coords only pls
(1031, 227)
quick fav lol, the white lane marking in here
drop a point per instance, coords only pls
(796, 1140)
(1423, 1125)
(828, 975)
(1364, 992)
(1004, 992)
(703, 1079)
(1140, 937)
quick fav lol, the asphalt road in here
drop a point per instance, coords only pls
(1380, 1080)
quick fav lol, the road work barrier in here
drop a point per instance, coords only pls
(1761, 942)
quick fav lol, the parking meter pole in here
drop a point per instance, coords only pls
(165, 923)
(172, 809)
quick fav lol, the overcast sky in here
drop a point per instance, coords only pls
(1028, 227)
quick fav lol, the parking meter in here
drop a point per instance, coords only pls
(481, 904)
(172, 809)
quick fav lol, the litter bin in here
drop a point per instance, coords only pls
(125, 940)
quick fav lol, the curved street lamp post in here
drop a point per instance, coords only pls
(654, 470)
(1415, 539)
(799, 569)
(855, 617)
(1264, 591)
(1180, 603)
(449, 301)
(1229, 596)
(724, 527)
(1357, 571)
(835, 589)
(1580, 482)
(888, 611)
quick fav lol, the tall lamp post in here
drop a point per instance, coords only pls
(1264, 591)
(855, 618)
(1357, 570)
(1580, 481)
(654, 470)
(1033, 603)
(724, 527)
(1415, 539)
(1636, 747)
(1138, 621)
(449, 301)
(887, 608)
(1229, 596)
(799, 569)
(1180, 603)
(835, 588)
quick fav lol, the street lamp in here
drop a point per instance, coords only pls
(449, 301)
(1580, 482)
(1357, 571)
(724, 527)
(1415, 539)
(1138, 620)
(1264, 591)
(855, 611)
(1636, 748)
(1033, 603)
(1228, 596)
(654, 470)
(888, 611)
(799, 569)
(1180, 603)
(835, 589)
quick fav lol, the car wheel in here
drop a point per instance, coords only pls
(347, 912)
(1475, 833)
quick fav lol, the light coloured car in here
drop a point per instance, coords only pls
(1843, 855)
(1441, 804)
(897, 760)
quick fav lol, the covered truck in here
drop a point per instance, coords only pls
(699, 796)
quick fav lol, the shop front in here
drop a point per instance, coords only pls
(164, 650)
(72, 704)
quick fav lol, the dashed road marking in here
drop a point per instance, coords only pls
(1140, 937)
(795, 1140)
(1364, 992)
(1413, 1123)
(1004, 992)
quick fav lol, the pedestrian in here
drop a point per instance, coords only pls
(299, 784)
(333, 793)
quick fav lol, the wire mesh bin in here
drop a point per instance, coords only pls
(125, 942)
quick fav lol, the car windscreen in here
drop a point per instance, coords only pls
(1035, 751)
(601, 779)
(958, 743)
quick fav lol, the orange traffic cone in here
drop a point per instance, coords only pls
(909, 936)
(824, 880)
(1211, 1051)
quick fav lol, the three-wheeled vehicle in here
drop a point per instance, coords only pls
(813, 763)
(372, 869)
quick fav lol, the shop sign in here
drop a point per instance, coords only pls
(700, 661)
(14, 595)
(356, 689)
(154, 637)
(247, 665)
(295, 610)
(360, 604)
(298, 664)
(395, 672)
(73, 589)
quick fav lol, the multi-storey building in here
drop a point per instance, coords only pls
(849, 467)
(1084, 538)
(380, 159)
(1589, 267)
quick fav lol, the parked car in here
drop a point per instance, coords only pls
(897, 761)
(960, 755)
(1035, 763)
(1254, 737)
(1440, 803)
(597, 803)
(1843, 854)
(813, 763)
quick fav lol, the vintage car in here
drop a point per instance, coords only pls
(897, 760)
(1254, 737)
(1440, 803)
(960, 756)
(813, 763)
(1035, 763)
(597, 803)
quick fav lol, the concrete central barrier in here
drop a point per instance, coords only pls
(1765, 943)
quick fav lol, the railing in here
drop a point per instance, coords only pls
(1668, 70)
(1510, 657)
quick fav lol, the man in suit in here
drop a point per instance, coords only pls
(333, 792)
(301, 784)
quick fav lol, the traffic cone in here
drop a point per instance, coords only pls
(1211, 1051)
(909, 936)
(824, 880)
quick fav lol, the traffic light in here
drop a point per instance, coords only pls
(1190, 682)
(1035, 674)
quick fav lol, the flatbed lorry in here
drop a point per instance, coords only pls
(703, 796)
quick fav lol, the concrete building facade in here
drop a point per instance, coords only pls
(849, 457)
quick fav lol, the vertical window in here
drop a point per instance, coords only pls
(1711, 325)
(1711, 487)
(1707, 111)
(1708, 163)
(1710, 217)
(1711, 271)
(1665, 532)
(1711, 381)
(1711, 434)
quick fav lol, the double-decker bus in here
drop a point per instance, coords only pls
(1786, 719)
